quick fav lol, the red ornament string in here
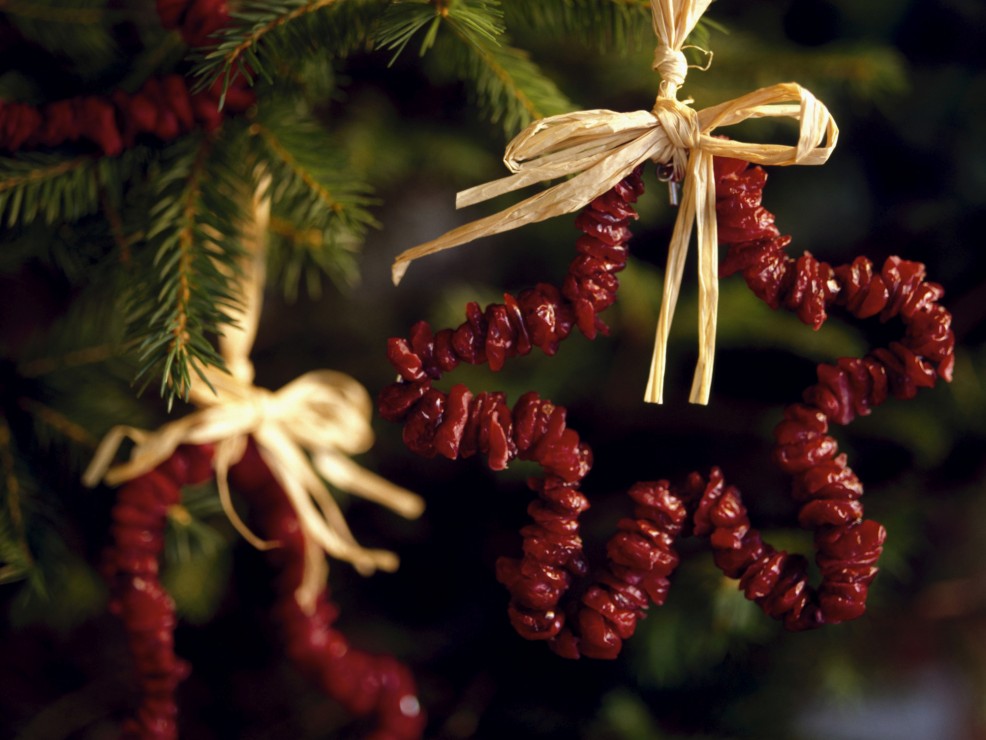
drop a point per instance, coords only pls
(131, 567)
(641, 555)
(164, 107)
(539, 317)
(364, 684)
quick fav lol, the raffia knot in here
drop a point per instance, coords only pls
(681, 125)
(672, 66)
(265, 405)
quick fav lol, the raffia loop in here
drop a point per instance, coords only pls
(305, 431)
(598, 148)
(672, 65)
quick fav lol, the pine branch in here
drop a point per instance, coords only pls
(59, 423)
(319, 206)
(48, 186)
(312, 79)
(869, 72)
(872, 73)
(404, 20)
(74, 377)
(186, 281)
(31, 549)
(507, 85)
(53, 188)
(608, 24)
(304, 256)
(263, 33)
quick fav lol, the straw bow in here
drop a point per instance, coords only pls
(304, 432)
(601, 147)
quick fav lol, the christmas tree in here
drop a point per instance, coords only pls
(147, 148)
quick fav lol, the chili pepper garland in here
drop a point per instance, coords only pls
(641, 555)
(364, 684)
(164, 107)
(137, 597)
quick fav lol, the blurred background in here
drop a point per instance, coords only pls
(904, 80)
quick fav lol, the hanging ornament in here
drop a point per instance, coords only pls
(601, 147)
(297, 436)
(722, 201)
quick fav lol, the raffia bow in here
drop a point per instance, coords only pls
(601, 147)
(304, 432)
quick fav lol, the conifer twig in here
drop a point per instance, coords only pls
(262, 32)
(31, 185)
(316, 196)
(495, 65)
(187, 265)
(233, 55)
(508, 86)
(76, 358)
(320, 190)
(59, 422)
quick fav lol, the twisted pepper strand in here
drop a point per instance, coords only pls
(848, 547)
(137, 597)
(641, 556)
(164, 107)
(541, 316)
(362, 683)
